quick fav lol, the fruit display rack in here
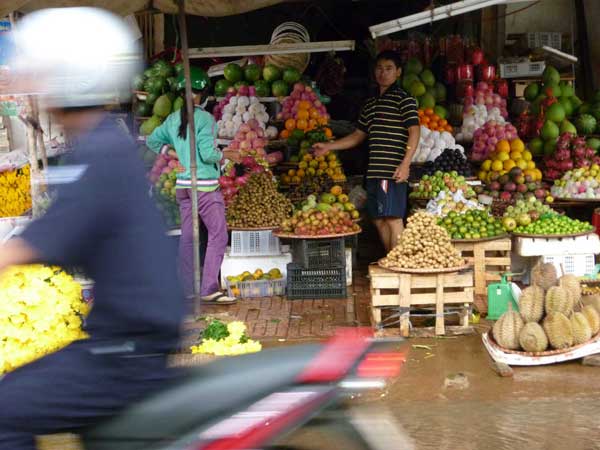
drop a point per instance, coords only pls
(443, 290)
(489, 257)
(552, 236)
(307, 237)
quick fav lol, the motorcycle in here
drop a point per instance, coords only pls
(256, 402)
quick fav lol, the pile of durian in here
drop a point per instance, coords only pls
(551, 315)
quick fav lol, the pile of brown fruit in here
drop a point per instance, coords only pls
(258, 204)
(423, 245)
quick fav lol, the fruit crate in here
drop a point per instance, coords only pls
(322, 283)
(489, 260)
(254, 243)
(577, 265)
(257, 289)
(403, 291)
(317, 253)
(235, 265)
(522, 69)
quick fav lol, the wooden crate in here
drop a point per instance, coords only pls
(489, 259)
(408, 290)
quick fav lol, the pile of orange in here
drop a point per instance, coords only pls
(432, 121)
(292, 125)
(307, 118)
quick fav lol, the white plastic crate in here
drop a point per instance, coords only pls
(258, 288)
(579, 245)
(254, 243)
(348, 267)
(235, 265)
(578, 265)
(524, 69)
(540, 39)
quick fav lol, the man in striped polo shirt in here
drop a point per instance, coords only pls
(390, 124)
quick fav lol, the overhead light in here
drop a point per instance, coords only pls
(271, 49)
(560, 55)
(439, 13)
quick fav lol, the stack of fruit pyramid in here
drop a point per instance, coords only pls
(508, 155)
(551, 314)
(311, 165)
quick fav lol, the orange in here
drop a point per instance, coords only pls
(443, 122)
(433, 124)
(449, 128)
(509, 164)
(302, 114)
(328, 133)
(304, 104)
(290, 124)
(428, 111)
(503, 146)
(291, 173)
(421, 113)
(425, 120)
(301, 124)
(284, 134)
(314, 114)
(322, 121)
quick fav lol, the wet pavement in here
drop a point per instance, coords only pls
(449, 398)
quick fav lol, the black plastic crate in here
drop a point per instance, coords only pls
(315, 283)
(319, 253)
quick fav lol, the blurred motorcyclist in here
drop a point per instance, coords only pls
(81, 59)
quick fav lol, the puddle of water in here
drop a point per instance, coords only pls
(548, 424)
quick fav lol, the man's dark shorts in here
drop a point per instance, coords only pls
(386, 198)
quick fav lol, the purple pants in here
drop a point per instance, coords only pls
(211, 210)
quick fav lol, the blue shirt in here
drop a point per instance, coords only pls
(105, 223)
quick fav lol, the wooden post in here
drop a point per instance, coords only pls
(439, 304)
(39, 135)
(189, 104)
(33, 162)
(404, 292)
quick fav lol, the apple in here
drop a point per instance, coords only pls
(509, 223)
(524, 219)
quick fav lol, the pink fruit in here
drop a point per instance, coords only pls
(252, 91)
(258, 143)
(299, 87)
(251, 135)
(253, 124)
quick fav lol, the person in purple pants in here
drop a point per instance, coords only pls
(211, 207)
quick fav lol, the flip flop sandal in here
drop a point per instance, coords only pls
(218, 299)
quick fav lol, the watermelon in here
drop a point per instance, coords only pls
(233, 73)
(178, 68)
(155, 85)
(239, 84)
(138, 82)
(221, 87)
(162, 69)
(148, 73)
(252, 72)
(586, 124)
(280, 88)
(263, 88)
(291, 75)
(151, 98)
(271, 73)
(143, 109)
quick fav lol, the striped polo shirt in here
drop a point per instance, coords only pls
(386, 120)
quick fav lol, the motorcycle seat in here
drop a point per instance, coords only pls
(204, 394)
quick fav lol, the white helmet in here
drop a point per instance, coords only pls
(76, 57)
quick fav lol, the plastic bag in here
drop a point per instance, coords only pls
(358, 196)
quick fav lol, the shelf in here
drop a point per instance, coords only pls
(269, 49)
(536, 79)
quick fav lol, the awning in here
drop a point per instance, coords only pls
(209, 8)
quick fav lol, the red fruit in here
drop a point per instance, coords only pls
(505, 196)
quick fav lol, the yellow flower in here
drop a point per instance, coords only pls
(41, 311)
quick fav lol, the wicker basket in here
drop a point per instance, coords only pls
(290, 33)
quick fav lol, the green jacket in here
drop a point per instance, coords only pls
(208, 155)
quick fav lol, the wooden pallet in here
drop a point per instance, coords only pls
(405, 290)
(489, 259)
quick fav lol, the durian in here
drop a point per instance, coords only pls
(593, 318)
(543, 275)
(559, 331)
(581, 328)
(558, 300)
(533, 338)
(531, 304)
(507, 328)
(572, 285)
(593, 300)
